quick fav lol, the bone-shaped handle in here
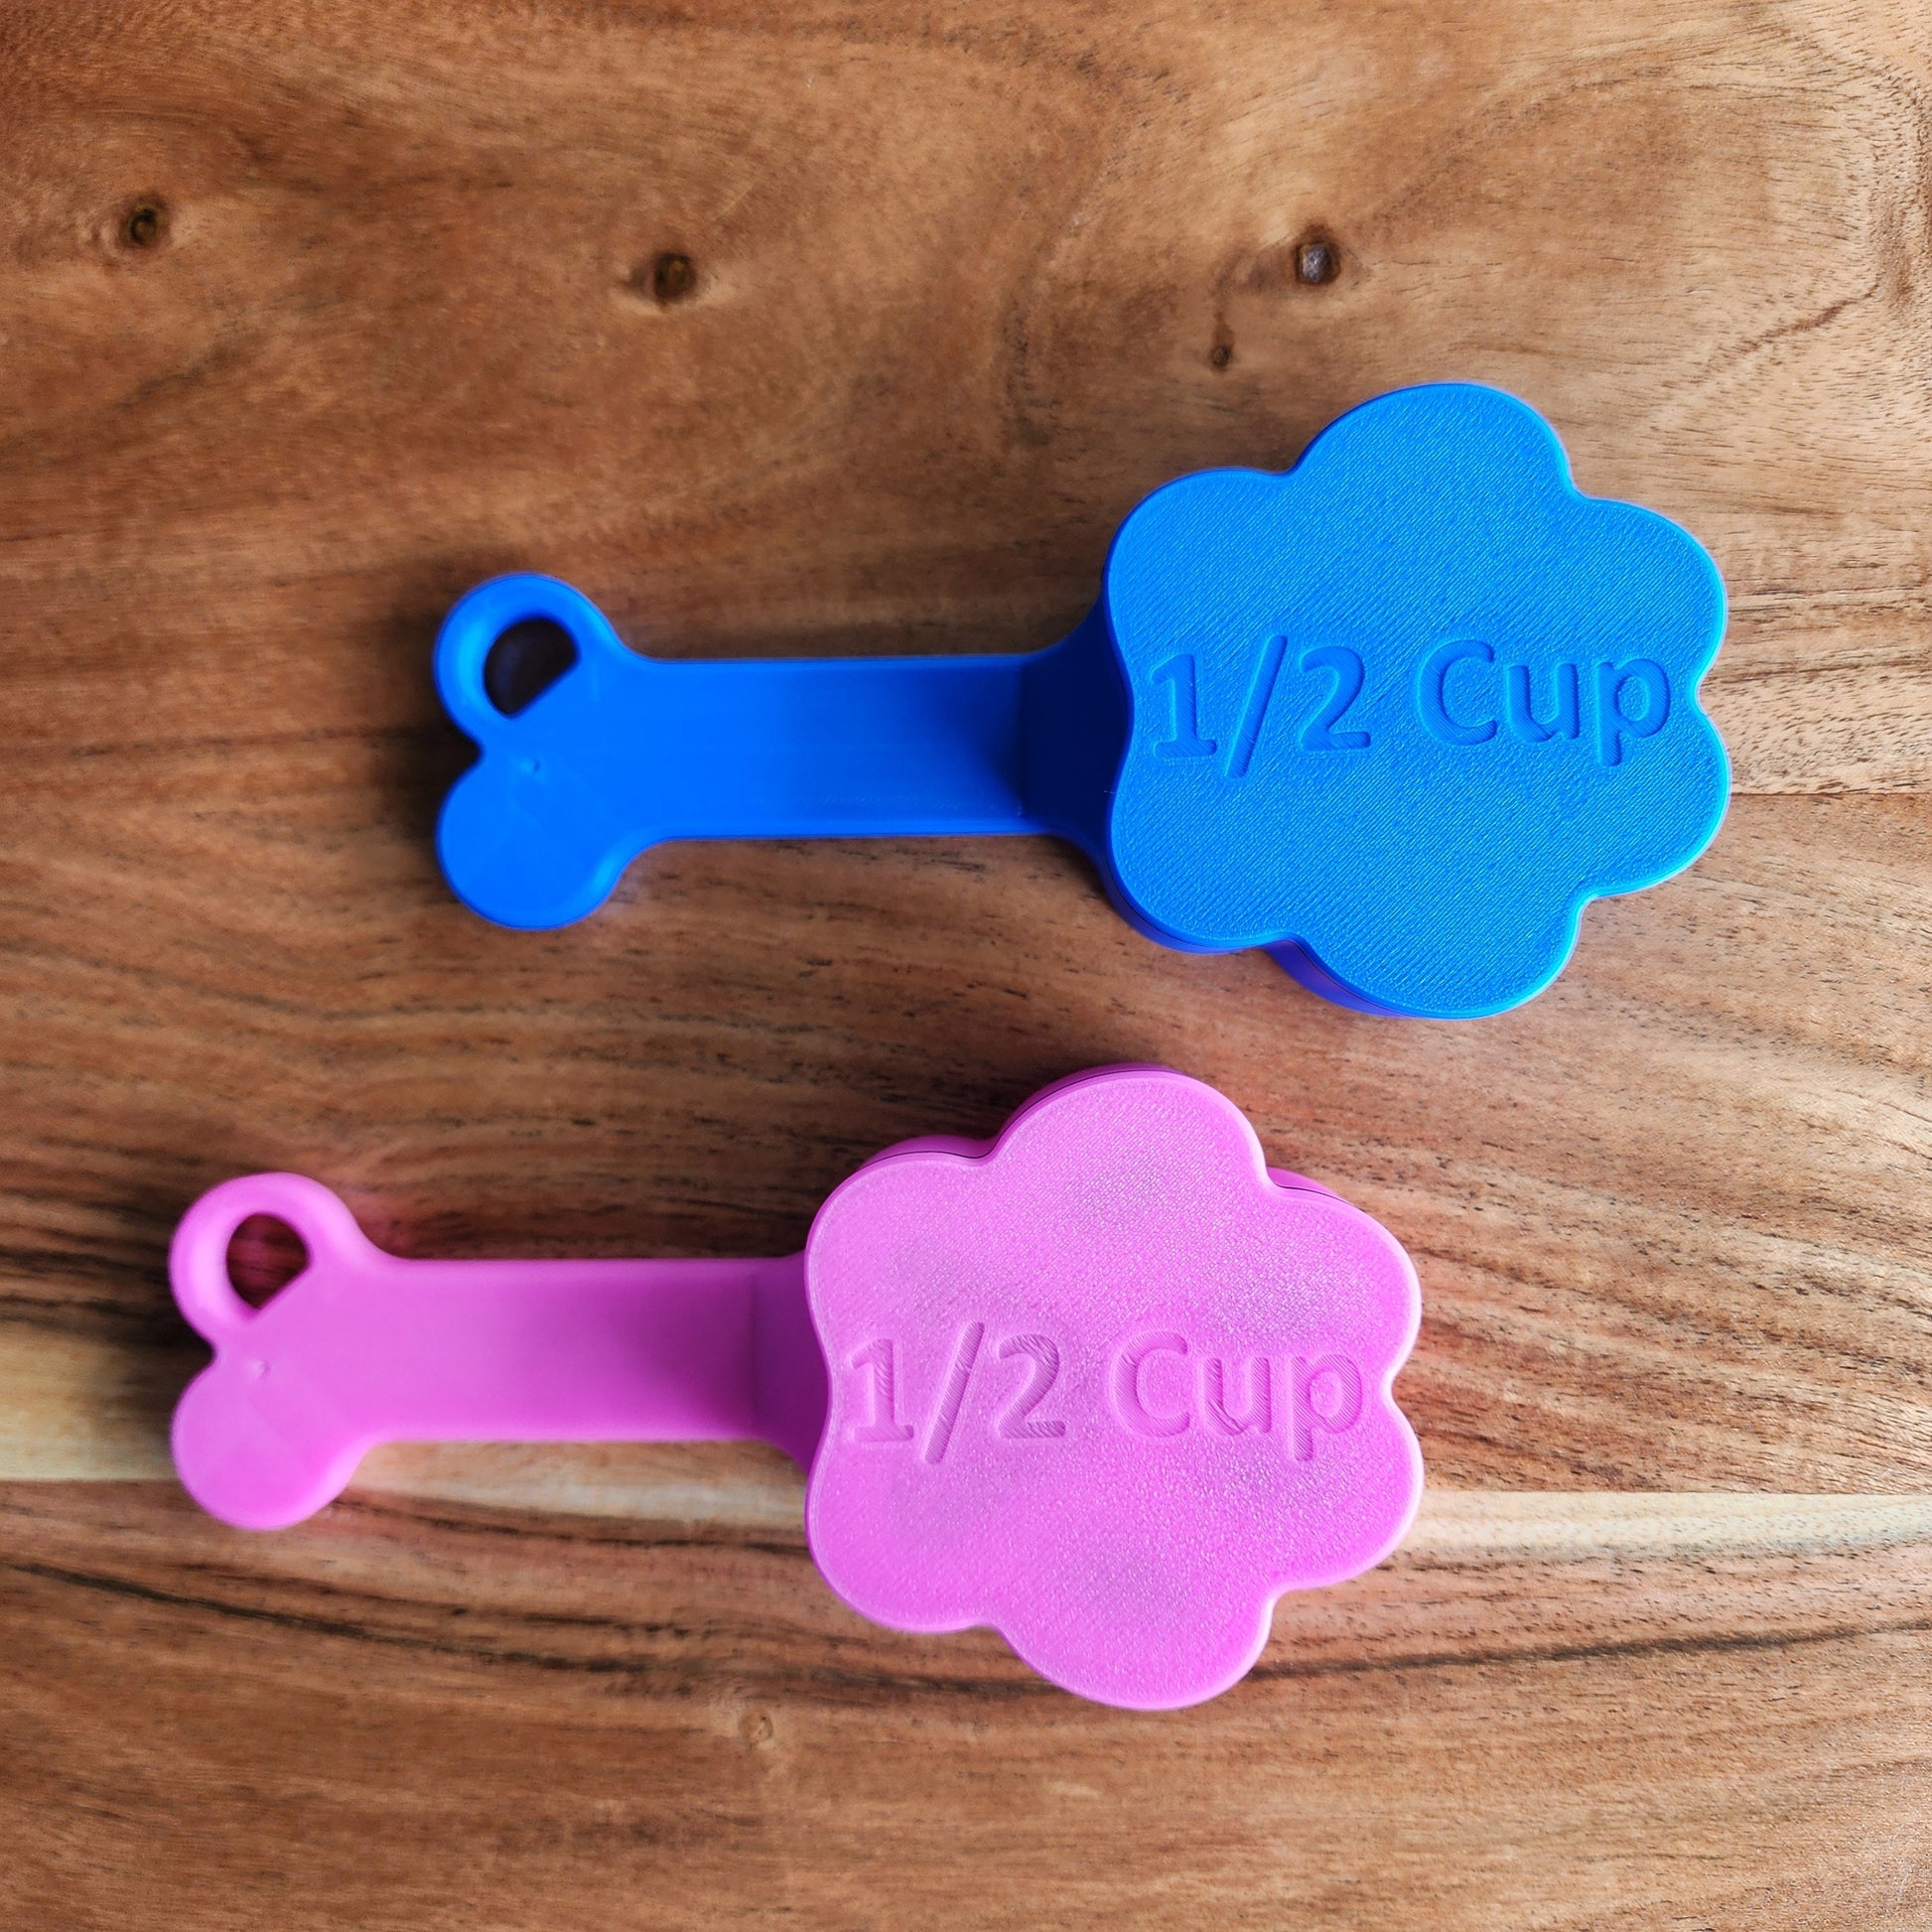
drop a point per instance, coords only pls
(624, 752)
(1394, 717)
(364, 1347)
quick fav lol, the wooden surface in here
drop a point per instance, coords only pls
(408, 1717)
(311, 317)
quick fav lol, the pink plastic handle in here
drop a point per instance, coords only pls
(363, 1347)
(1108, 1383)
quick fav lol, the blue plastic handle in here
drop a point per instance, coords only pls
(1396, 716)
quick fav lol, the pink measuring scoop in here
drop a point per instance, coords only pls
(1107, 1384)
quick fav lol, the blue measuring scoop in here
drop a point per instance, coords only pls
(1396, 716)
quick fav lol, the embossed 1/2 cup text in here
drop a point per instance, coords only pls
(1157, 1385)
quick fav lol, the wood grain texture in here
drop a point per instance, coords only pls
(311, 316)
(394, 1718)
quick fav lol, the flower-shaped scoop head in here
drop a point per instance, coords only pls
(1402, 712)
(1109, 1387)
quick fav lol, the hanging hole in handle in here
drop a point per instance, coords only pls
(265, 1254)
(524, 662)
